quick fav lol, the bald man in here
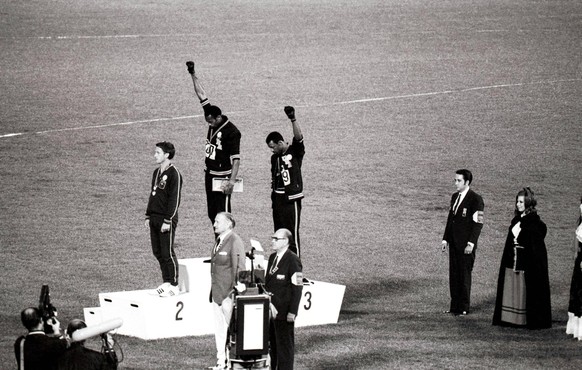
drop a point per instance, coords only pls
(36, 350)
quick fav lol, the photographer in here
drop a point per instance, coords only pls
(77, 357)
(37, 350)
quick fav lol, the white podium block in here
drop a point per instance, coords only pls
(194, 276)
(93, 316)
(147, 316)
(320, 304)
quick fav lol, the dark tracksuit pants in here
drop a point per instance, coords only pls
(163, 249)
(216, 201)
(287, 215)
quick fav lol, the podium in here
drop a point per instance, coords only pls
(147, 316)
(320, 303)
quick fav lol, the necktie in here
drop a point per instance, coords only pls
(216, 245)
(456, 204)
(274, 266)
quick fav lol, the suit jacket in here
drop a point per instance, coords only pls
(78, 357)
(285, 283)
(225, 264)
(465, 226)
(41, 352)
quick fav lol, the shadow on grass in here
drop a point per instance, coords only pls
(378, 288)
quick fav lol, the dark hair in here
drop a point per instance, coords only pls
(467, 175)
(167, 147)
(30, 318)
(75, 325)
(213, 111)
(275, 137)
(529, 201)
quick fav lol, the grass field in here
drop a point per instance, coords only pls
(393, 97)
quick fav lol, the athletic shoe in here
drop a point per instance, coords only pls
(162, 288)
(170, 291)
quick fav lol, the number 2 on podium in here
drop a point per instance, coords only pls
(180, 306)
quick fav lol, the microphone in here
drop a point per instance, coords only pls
(251, 254)
(92, 331)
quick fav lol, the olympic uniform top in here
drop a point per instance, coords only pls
(222, 145)
(166, 194)
(286, 171)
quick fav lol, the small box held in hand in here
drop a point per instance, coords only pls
(218, 182)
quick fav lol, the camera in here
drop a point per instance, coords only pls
(48, 312)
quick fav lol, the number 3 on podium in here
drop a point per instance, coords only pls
(308, 298)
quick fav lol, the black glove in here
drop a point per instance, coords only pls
(190, 65)
(290, 112)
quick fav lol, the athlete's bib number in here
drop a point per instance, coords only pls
(285, 177)
(210, 151)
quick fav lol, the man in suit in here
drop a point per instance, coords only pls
(285, 281)
(36, 350)
(227, 258)
(80, 357)
(464, 224)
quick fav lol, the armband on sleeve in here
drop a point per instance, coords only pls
(297, 278)
(478, 217)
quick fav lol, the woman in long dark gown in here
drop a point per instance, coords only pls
(523, 288)
(574, 325)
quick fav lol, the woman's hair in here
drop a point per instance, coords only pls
(529, 201)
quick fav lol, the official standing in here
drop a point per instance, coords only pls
(464, 224)
(227, 258)
(286, 180)
(285, 281)
(162, 216)
(222, 151)
(36, 350)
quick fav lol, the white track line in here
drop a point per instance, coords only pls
(100, 126)
(81, 37)
(407, 96)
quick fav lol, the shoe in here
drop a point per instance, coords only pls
(170, 291)
(162, 288)
(218, 367)
(447, 311)
(190, 65)
(464, 313)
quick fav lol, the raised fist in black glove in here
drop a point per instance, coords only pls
(290, 112)
(190, 65)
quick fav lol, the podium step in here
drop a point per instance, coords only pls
(147, 316)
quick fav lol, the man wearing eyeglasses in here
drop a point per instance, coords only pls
(284, 281)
